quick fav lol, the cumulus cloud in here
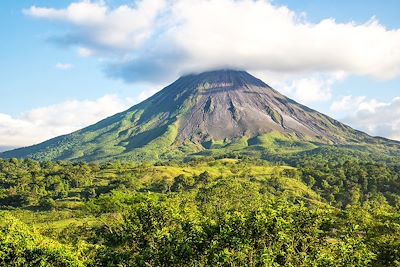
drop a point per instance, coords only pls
(43, 123)
(347, 103)
(372, 116)
(63, 66)
(98, 26)
(166, 38)
(85, 52)
(315, 88)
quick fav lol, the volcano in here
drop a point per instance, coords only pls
(212, 112)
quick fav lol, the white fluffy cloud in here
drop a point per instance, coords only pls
(85, 52)
(63, 66)
(44, 123)
(372, 116)
(315, 88)
(96, 25)
(161, 37)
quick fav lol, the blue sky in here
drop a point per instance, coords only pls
(28, 73)
(55, 60)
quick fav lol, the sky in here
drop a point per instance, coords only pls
(67, 64)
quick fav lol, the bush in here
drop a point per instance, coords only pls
(19, 246)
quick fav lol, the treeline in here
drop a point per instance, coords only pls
(343, 181)
(26, 183)
(339, 179)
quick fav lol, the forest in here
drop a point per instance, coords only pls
(326, 209)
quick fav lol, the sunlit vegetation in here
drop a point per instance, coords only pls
(324, 209)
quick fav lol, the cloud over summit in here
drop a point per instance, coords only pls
(174, 37)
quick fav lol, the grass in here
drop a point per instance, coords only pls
(275, 142)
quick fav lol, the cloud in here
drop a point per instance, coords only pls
(347, 103)
(85, 52)
(96, 25)
(165, 38)
(43, 123)
(372, 116)
(316, 88)
(63, 66)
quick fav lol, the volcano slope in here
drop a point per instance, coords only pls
(211, 113)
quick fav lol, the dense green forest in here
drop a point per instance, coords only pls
(326, 208)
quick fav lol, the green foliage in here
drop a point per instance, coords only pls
(20, 246)
(333, 209)
(350, 181)
(158, 233)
